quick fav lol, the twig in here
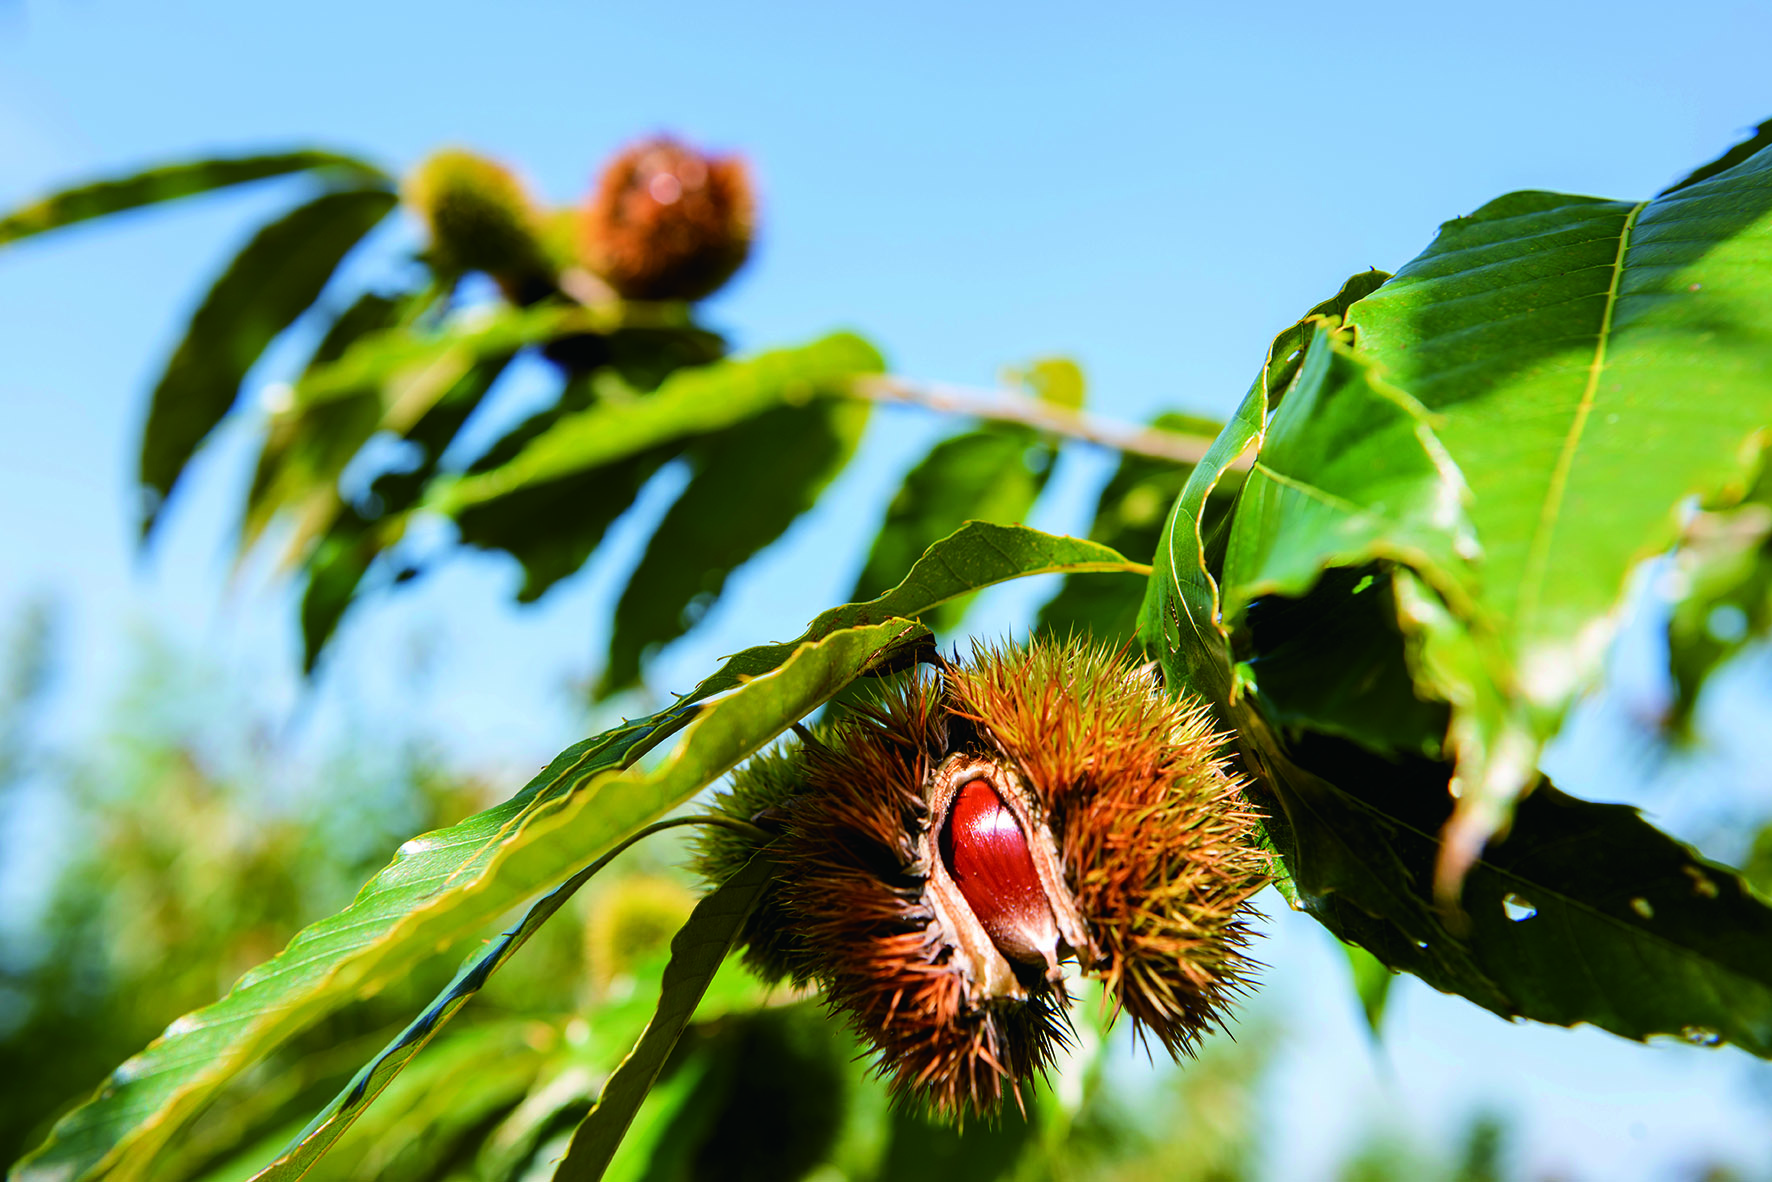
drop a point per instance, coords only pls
(1006, 406)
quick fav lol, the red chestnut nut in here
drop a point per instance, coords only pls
(991, 864)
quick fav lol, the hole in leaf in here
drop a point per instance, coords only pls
(1702, 1036)
(1517, 908)
(1641, 906)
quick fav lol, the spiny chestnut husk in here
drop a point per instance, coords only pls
(668, 222)
(481, 219)
(939, 851)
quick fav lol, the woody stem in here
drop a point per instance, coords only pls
(1006, 406)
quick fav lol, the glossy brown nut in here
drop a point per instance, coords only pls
(992, 866)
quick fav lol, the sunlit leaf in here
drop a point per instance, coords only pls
(270, 282)
(169, 182)
(690, 402)
(418, 1121)
(1349, 471)
(1057, 380)
(1179, 618)
(411, 360)
(1591, 366)
(775, 1099)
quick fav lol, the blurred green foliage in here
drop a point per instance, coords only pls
(196, 843)
(177, 873)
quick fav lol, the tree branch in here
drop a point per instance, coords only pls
(1006, 406)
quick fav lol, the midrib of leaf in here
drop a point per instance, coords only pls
(1538, 552)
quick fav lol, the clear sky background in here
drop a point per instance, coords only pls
(1153, 189)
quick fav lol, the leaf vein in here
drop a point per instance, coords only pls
(1538, 555)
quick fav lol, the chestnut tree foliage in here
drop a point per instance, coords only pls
(1390, 576)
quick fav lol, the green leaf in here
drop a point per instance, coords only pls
(1129, 517)
(552, 529)
(1349, 471)
(307, 446)
(752, 481)
(1179, 619)
(410, 361)
(442, 887)
(780, 1090)
(313, 1141)
(269, 283)
(1761, 138)
(1756, 868)
(1333, 660)
(423, 387)
(1057, 380)
(1724, 564)
(975, 556)
(169, 182)
(924, 1146)
(696, 954)
(353, 537)
(993, 473)
(690, 402)
(334, 572)
(1582, 913)
(1591, 365)
(1349, 474)
(422, 1120)
(1372, 985)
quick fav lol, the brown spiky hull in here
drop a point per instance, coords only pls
(1154, 851)
(1162, 848)
(667, 222)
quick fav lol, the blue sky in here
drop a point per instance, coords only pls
(1153, 189)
